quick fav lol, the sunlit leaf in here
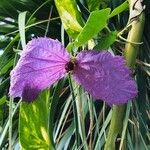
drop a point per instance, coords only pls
(95, 23)
(34, 123)
(21, 23)
(70, 16)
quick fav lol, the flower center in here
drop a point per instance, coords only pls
(69, 66)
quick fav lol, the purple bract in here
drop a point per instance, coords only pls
(44, 61)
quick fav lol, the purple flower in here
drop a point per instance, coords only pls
(44, 61)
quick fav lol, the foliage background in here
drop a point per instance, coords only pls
(55, 121)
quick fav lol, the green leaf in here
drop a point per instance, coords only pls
(6, 59)
(6, 28)
(34, 123)
(6, 67)
(3, 100)
(106, 41)
(119, 9)
(3, 86)
(67, 136)
(70, 16)
(95, 23)
(7, 8)
(102, 131)
(93, 4)
(125, 123)
(21, 23)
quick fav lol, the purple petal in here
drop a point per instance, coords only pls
(105, 77)
(30, 93)
(41, 64)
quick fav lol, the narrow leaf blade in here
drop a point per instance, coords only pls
(21, 23)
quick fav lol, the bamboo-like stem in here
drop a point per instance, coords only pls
(115, 126)
(130, 54)
(135, 35)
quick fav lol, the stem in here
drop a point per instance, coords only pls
(130, 54)
(115, 126)
(74, 112)
(135, 35)
(90, 132)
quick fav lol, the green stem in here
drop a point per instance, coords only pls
(135, 35)
(115, 126)
(74, 112)
(130, 54)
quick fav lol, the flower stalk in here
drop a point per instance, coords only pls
(136, 19)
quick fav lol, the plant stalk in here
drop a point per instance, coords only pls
(74, 112)
(130, 54)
